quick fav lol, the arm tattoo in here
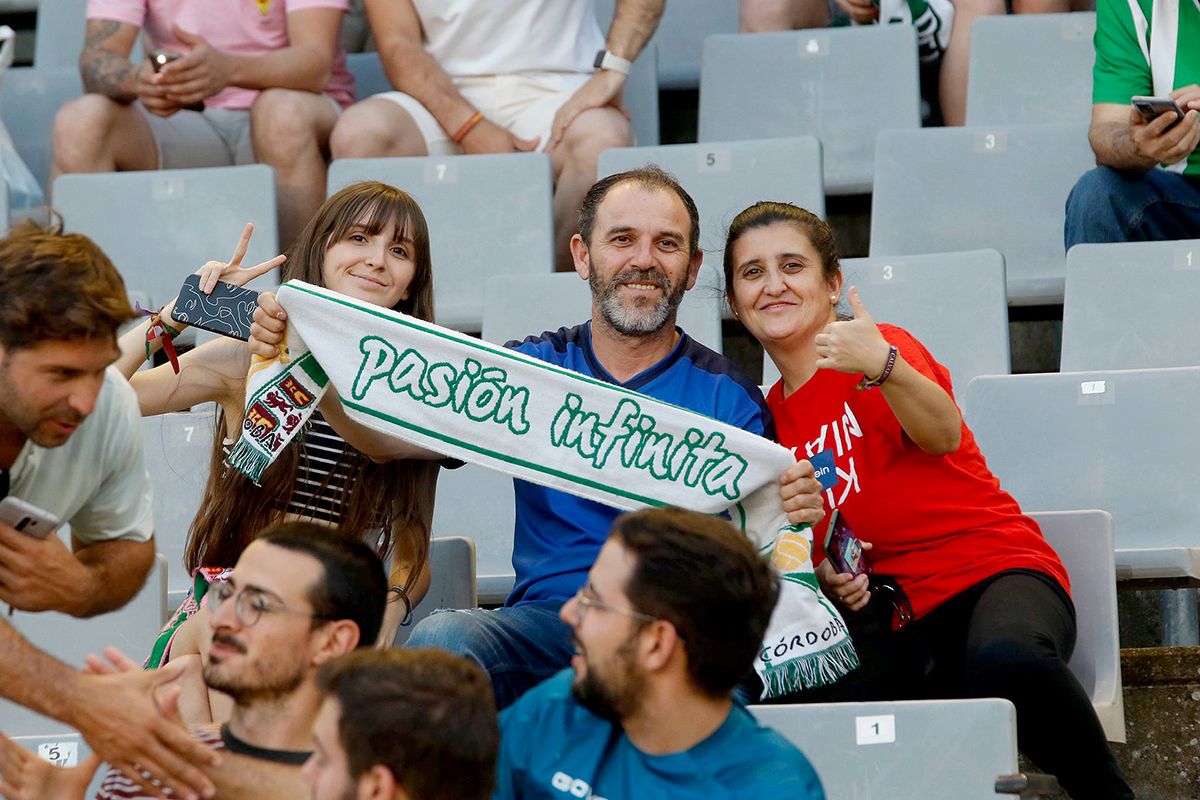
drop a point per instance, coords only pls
(102, 70)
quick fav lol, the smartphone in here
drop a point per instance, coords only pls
(27, 518)
(228, 310)
(1151, 107)
(843, 548)
(160, 58)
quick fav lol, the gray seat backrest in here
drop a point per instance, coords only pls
(1084, 542)
(159, 227)
(29, 99)
(131, 628)
(726, 177)
(1132, 306)
(939, 190)
(680, 35)
(478, 503)
(954, 303)
(951, 749)
(1127, 442)
(488, 215)
(842, 85)
(452, 581)
(1031, 68)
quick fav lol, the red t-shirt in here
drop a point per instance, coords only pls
(939, 524)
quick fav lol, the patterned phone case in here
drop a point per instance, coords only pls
(228, 310)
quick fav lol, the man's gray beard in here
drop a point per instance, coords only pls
(636, 321)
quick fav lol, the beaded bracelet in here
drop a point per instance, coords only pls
(866, 383)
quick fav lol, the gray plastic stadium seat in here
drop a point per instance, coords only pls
(680, 34)
(132, 629)
(59, 33)
(488, 215)
(954, 303)
(946, 189)
(478, 503)
(29, 99)
(369, 77)
(1127, 442)
(563, 299)
(1084, 542)
(178, 450)
(160, 226)
(452, 571)
(842, 85)
(929, 749)
(724, 178)
(1031, 68)
(1132, 306)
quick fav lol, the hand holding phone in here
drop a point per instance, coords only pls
(27, 518)
(1150, 108)
(844, 549)
(227, 310)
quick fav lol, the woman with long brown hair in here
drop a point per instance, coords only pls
(369, 241)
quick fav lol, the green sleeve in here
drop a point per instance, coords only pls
(1121, 71)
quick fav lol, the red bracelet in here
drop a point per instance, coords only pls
(471, 122)
(866, 383)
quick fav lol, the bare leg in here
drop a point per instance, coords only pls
(376, 128)
(756, 16)
(290, 130)
(953, 80)
(573, 162)
(95, 134)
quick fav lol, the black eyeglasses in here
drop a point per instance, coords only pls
(250, 604)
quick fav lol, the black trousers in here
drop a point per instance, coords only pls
(1009, 636)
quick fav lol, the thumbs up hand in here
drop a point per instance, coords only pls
(853, 345)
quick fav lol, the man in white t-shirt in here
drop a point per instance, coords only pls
(502, 76)
(253, 81)
(70, 444)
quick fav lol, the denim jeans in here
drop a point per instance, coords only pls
(1109, 205)
(518, 646)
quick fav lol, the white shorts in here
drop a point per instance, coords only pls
(524, 103)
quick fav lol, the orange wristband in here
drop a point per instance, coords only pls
(471, 122)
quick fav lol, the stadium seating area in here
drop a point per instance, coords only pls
(965, 224)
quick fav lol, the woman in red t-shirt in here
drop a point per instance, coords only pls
(967, 599)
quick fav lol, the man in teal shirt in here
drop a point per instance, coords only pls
(669, 621)
(1147, 187)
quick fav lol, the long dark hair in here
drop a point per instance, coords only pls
(397, 495)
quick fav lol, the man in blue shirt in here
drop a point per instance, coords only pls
(638, 249)
(668, 622)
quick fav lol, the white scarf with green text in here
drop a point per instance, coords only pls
(474, 401)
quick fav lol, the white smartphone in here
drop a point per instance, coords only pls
(1151, 107)
(27, 518)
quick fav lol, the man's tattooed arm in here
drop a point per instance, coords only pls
(102, 66)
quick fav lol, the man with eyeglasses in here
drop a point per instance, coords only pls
(300, 596)
(670, 619)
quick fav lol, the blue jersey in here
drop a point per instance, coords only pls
(552, 748)
(559, 535)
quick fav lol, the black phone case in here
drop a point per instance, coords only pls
(228, 310)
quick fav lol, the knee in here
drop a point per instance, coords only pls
(1099, 192)
(79, 127)
(283, 125)
(590, 134)
(1003, 665)
(363, 131)
(455, 632)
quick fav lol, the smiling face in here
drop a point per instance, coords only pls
(373, 267)
(48, 389)
(779, 289)
(609, 679)
(637, 262)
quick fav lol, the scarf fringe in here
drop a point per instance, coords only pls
(809, 671)
(249, 460)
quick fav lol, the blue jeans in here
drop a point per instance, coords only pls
(518, 646)
(1109, 205)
